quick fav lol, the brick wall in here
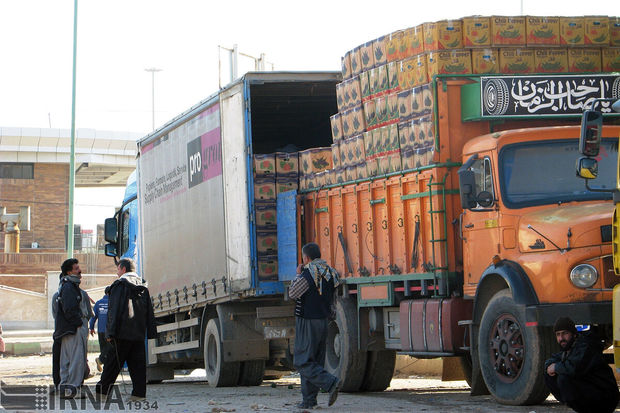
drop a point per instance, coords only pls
(40, 263)
(47, 195)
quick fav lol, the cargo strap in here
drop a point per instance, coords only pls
(416, 239)
(346, 252)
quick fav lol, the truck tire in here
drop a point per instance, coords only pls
(379, 370)
(343, 359)
(219, 373)
(512, 356)
(251, 373)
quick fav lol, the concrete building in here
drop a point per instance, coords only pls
(34, 171)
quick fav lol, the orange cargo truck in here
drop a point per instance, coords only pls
(476, 254)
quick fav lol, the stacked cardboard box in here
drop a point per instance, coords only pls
(385, 121)
(273, 173)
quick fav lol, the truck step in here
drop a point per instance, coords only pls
(177, 325)
(176, 347)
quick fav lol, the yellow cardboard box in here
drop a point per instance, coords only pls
(443, 35)
(414, 41)
(596, 29)
(393, 45)
(516, 60)
(508, 30)
(572, 31)
(485, 61)
(476, 31)
(611, 59)
(551, 60)
(584, 60)
(543, 31)
(614, 31)
(448, 62)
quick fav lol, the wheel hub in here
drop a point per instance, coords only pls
(507, 348)
(337, 345)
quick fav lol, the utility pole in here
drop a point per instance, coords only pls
(72, 157)
(153, 70)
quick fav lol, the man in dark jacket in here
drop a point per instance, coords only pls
(578, 375)
(130, 320)
(313, 289)
(72, 309)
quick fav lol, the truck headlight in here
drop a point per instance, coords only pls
(584, 276)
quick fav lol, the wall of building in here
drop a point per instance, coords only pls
(47, 195)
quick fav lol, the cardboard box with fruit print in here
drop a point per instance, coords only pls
(508, 30)
(551, 60)
(268, 268)
(264, 165)
(584, 60)
(543, 31)
(476, 31)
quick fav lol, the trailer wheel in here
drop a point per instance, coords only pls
(343, 359)
(512, 356)
(379, 370)
(251, 373)
(219, 373)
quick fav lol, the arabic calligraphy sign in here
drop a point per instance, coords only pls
(560, 95)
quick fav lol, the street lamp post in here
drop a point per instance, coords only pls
(153, 70)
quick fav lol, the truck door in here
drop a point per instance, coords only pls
(286, 209)
(480, 226)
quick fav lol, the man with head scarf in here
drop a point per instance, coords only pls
(578, 376)
(313, 290)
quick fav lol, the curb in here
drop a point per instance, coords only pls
(45, 347)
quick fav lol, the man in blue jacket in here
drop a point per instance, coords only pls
(101, 314)
(578, 375)
(313, 290)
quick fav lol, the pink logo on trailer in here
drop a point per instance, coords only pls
(204, 154)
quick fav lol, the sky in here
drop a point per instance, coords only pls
(118, 39)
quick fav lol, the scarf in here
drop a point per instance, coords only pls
(319, 270)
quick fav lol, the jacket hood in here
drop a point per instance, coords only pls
(133, 279)
(585, 223)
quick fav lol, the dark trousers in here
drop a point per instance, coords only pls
(310, 341)
(56, 361)
(104, 348)
(134, 354)
(581, 395)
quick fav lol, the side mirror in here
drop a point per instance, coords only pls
(591, 129)
(587, 168)
(467, 184)
(110, 250)
(110, 230)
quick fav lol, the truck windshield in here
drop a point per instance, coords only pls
(543, 172)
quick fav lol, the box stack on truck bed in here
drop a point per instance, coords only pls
(444, 195)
